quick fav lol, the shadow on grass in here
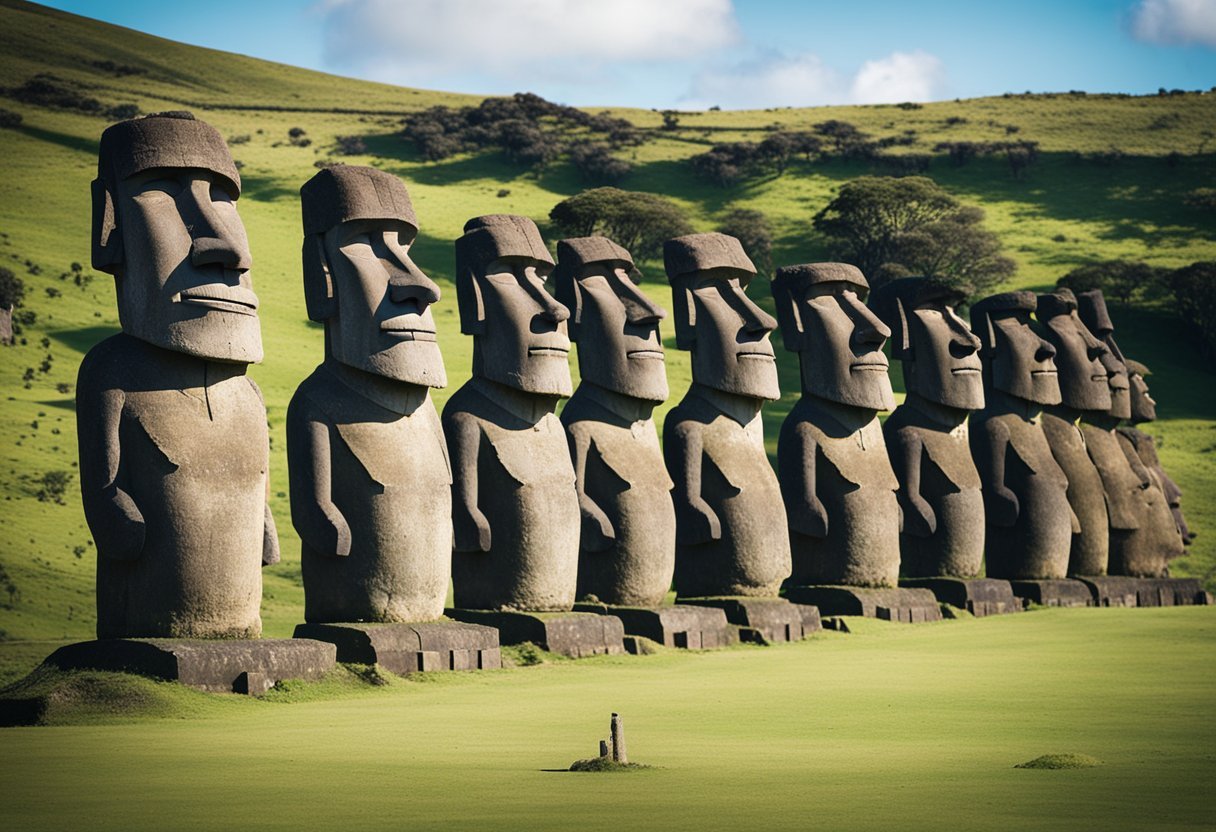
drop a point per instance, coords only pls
(84, 338)
(76, 143)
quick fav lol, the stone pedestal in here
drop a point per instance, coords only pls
(911, 606)
(411, 647)
(763, 620)
(1171, 592)
(221, 666)
(1112, 590)
(573, 634)
(978, 596)
(1053, 593)
(684, 625)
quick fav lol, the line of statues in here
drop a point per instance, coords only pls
(522, 510)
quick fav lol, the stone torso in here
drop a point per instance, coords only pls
(1037, 545)
(1090, 548)
(194, 458)
(855, 484)
(625, 476)
(752, 557)
(950, 484)
(525, 488)
(391, 481)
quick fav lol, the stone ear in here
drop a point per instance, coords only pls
(685, 310)
(107, 240)
(902, 349)
(788, 316)
(319, 297)
(469, 303)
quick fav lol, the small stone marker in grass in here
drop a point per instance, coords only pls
(612, 752)
(1058, 761)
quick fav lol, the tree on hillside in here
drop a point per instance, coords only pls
(895, 226)
(752, 230)
(595, 163)
(1120, 280)
(640, 222)
(1194, 288)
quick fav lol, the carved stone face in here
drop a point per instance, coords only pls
(184, 282)
(1120, 388)
(524, 342)
(618, 334)
(841, 347)
(383, 323)
(731, 350)
(944, 365)
(1144, 406)
(1083, 382)
(1023, 363)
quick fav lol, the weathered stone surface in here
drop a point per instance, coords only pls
(515, 509)
(926, 436)
(978, 596)
(627, 544)
(836, 477)
(1143, 411)
(370, 481)
(1053, 593)
(574, 634)
(731, 537)
(1029, 522)
(172, 434)
(1089, 553)
(682, 625)
(1171, 592)
(766, 620)
(412, 647)
(1112, 590)
(909, 606)
(212, 665)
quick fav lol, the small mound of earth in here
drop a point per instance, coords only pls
(604, 764)
(1061, 761)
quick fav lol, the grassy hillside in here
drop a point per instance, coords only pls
(1079, 203)
(910, 728)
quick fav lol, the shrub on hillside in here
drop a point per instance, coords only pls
(640, 222)
(596, 164)
(753, 232)
(10, 119)
(1123, 281)
(1194, 289)
(1202, 198)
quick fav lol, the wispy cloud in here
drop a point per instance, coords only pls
(777, 80)
(418, 41)
(1175, 22)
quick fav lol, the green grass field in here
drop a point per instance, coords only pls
(894, 727)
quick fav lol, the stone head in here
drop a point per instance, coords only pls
(518, 328)
(165, 225)
(359, 279)
(1079, 354)
(1144, 406)
(726, 332)
(1091, 308)
(1017, 360)
(821, 307)
(615, 325)
(939, 352)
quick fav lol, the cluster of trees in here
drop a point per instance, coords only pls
(47, 90)
(640, 222)
(894, 227)
(528, 129)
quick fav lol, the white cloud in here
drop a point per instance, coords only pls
(418, 40)
(804, 80)
(1175, 22)
(901, 76)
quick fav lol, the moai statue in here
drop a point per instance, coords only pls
(1083, 389)
(836, 478)
(1143, 534)
(1029, 522)
(173, 439)
(627, 544)
(731, 537)
(939, 487)
(1144, 410)
(370, 483)
(515, 508)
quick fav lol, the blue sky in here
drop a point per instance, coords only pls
(698, 53)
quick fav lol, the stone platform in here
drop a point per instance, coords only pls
(573, 634)
(411, 647)
(1171, 592)
(683, 625)
(1111, 590)
(978, 596)
(763, 620)
(1053, 593)
(221, 666)
(908, 605)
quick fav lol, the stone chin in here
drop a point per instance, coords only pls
(964, 390)
(215, 336)
(412, 362)
(1044, 387)
(546, 374)
(755, 377)
(643, 376)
